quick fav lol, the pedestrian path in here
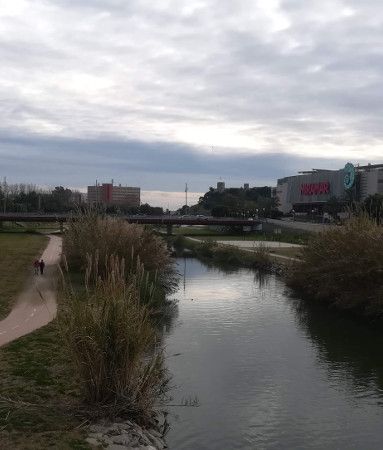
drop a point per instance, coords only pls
(251, 246)
(36, 305)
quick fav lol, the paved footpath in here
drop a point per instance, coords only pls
(253, 244)
(250, 246)
(36, 305)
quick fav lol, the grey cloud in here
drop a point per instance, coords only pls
(147, 164)
(313, 82)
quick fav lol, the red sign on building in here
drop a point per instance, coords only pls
(315, 188)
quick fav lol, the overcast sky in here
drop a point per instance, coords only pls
(159, 93)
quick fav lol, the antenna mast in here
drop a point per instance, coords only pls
(186, 194)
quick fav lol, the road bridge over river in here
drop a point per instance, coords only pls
(166, 220)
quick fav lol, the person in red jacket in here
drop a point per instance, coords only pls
(36, 266)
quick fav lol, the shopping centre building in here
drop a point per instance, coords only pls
(309, 191)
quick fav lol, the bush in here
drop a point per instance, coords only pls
(206, 248)
(344, 266)
(90, 234)
(108, 324)
(108, 333)
(262, 255)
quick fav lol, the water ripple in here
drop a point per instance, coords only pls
(270, 372)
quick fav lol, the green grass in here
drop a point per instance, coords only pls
(29, 227)
(224, 235)
(42, 402)
(195, 231)
(292, 252)
(38, 397)
(228, 256)
(39, 405)
(17, 252)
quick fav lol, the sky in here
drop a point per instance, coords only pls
(161, 93)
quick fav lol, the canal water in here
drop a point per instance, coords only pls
(254, 368)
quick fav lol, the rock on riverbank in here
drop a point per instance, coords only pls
(126, 435)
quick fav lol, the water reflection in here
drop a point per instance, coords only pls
(269, 371)
(350, 347)
(261, 278)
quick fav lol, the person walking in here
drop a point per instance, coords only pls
(36, 266)
(42, 266)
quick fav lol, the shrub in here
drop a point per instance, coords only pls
(344, 265)
(88, 234)
(206, 248)
(262, 255)
(108, 332)
(227, 255)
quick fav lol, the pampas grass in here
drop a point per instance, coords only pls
(108, 323)
(344, 266)
(114, 348)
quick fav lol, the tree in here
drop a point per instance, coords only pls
(374, 207)
(333, 206)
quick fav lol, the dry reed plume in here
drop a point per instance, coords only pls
(344, 266)
(90, 233)
(108, 332)
(108, 323)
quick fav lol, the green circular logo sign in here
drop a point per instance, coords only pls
(349, 176)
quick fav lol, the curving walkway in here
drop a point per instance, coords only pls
(250, 246)
(36, 305)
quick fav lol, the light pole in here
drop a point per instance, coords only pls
(5, 194)
(186, 197)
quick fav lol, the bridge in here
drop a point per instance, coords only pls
(166, 220)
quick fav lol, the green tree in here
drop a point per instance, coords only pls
(374, 207)
(333, 206)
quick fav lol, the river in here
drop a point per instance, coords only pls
(268, 371)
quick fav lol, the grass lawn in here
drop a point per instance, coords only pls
(290, 252)
(30, 227)
(38, 395)
(195, 230)
(17, 252)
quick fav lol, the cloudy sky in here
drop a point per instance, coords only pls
(159, 93)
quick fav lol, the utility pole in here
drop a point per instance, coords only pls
(96, 195)
(186, 195)
(5, 194)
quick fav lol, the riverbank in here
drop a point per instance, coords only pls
(38, 400)
(41, 407)
(228, 256)
(17, 253)
(42, 394)
(110, 321)
(343, 267)
(36, 306)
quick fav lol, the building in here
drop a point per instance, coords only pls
(77, 198)
(309, 191)
(109, 195)
(221, 186)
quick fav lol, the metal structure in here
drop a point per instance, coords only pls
(167, 220)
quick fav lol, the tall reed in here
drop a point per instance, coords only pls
(89, 233)
(115, 351)
(344, 266)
